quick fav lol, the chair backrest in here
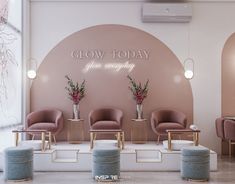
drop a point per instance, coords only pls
(229, 129)
(171, 116)
(219, 125)
(105, 114)
(45, 115)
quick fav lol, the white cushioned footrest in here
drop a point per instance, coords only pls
(105, 143)
(178, 144)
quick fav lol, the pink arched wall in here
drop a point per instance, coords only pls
(228, 82)
(107, 46)
(228, 77)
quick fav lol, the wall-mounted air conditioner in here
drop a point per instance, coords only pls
(167, 12)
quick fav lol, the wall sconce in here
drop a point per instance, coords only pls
(32, 68)
(189, 68)
(189, 62)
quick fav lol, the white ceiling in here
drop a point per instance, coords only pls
(224, 1)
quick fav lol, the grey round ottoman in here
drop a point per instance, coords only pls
(195, 163)
(106, 163)
(18, 163)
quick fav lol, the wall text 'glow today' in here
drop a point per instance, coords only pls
(119, 59)
(115, 54)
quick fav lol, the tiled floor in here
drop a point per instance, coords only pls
(224, 175)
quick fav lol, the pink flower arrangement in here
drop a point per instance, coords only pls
(75, 92)
(139, 92)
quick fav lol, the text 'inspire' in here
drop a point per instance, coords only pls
(115, 54)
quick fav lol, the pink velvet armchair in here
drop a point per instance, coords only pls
(47, 119)
(106, 118)
(161, 120)
(219, 124)
(225, 129)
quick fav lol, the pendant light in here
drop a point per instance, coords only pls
(32, 69)
(189, 62)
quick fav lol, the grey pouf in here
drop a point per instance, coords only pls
(18, 163)
(195, 163)
(106, 163)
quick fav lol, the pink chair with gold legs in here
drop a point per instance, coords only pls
(219, 124)
(225, 129)
(47, 119)
(229, 133)
(161, 120)
(106, 118)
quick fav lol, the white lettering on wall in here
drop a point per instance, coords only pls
(130, 54)
(116, 54)
(96, 56)
(88, 54)
(109, 66)
(91, 65)
(120, 66)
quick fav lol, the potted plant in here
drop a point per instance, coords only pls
(76, 93)
(139, 92)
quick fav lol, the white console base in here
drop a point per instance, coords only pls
(135, 157)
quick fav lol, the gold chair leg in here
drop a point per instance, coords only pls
(16, 138)
(118, 139)
(158, 139)
(222, 147)
(33, 136)
(49, 140)
(54, 139)
(179, 137)
(230, 148)
(91, 140)
(43, 140)
(169, 141)
(123, 140)
(196, 138)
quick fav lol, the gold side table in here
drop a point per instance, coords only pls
(172, 132)
(139, 131)
(75, 134)
(44, 134)
(119, 133)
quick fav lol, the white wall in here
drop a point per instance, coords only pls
(212, 24)
(14, 14)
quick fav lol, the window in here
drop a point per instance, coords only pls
(10, 62)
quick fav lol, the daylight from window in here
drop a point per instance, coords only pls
(10, 62)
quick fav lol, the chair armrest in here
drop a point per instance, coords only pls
(219, 126)
(59, 122)
(119, 118)
(185, 122)
(90, 118)
(154, 121)
(59, 119)
(33, 117)
(179, 117)
(229, 129)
